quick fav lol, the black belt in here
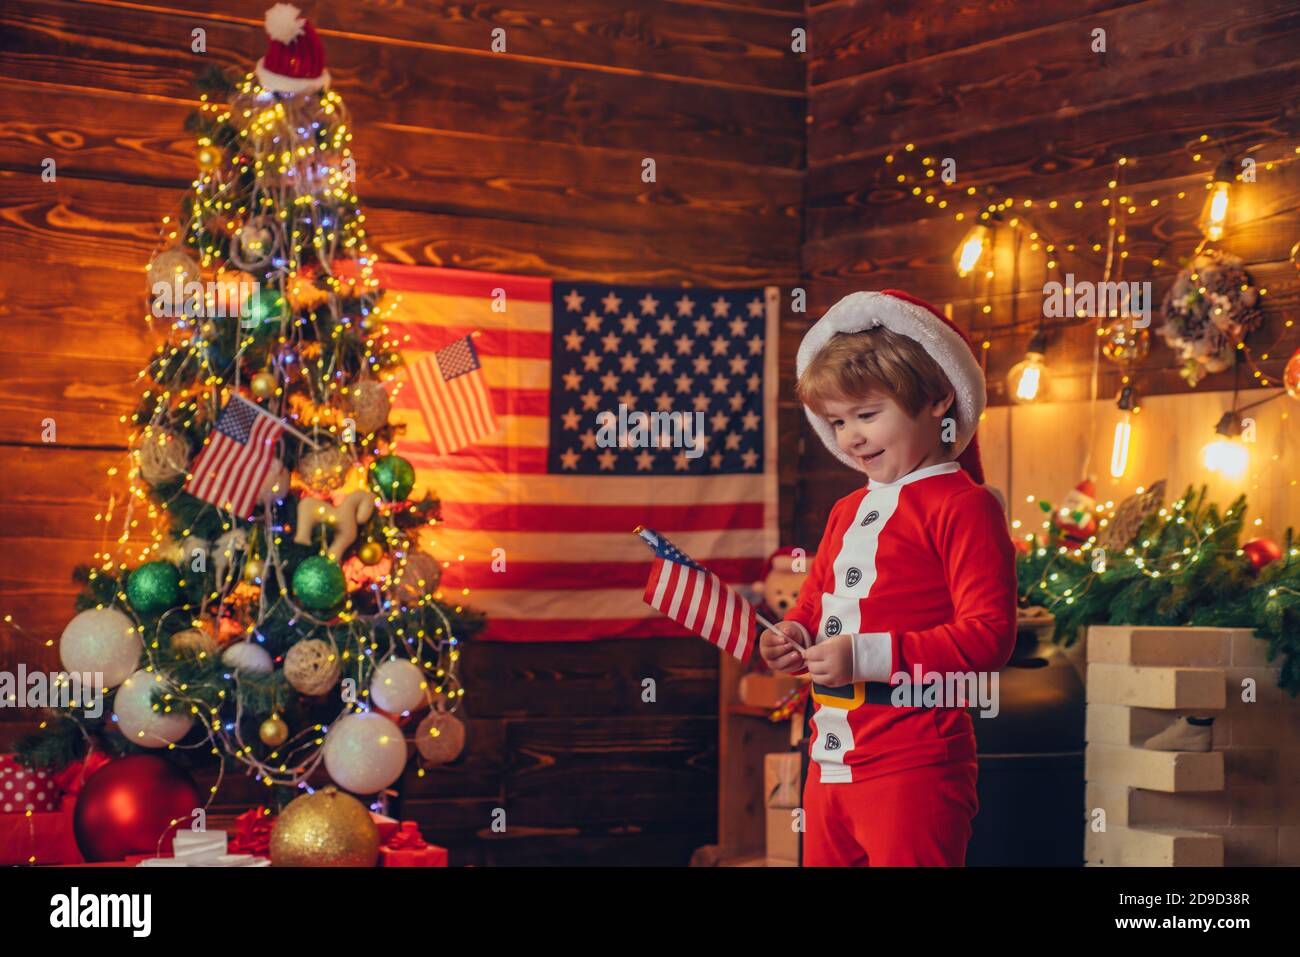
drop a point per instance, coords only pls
(877, 692)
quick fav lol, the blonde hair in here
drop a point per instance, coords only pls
(874, 360)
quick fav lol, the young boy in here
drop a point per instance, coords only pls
(915, 573)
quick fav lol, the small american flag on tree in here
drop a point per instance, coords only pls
(231, 468)
(453, 396)
(697, 599)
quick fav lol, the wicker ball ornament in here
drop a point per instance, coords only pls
(440, 738)
(369, 406)
(193, 642)
(418, 577)
(325, 469)
(312, 667)
(163, 455)
(326, 829)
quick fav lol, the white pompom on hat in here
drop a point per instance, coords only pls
(906, 315)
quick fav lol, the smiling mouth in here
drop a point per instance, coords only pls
(870, 458)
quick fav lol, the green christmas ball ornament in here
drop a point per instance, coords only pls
(265, 310)
(392, 478)
(154, 587)
(318, 583)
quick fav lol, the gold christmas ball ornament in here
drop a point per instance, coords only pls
(193, 642)
(325, 829)
(273, 731)
(418, 577)
(325, 469)
(263, 385)
(253, 570)
(369, 405)
(370, 553)
(312, 667)
(440, 738)
(163, 455)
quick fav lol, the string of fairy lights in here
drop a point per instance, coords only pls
(296, 222)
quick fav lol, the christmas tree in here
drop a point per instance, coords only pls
(283, 593)
(1150, 564)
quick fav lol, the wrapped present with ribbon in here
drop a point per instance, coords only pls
(407, 848)
(72, 779)
(252, 833)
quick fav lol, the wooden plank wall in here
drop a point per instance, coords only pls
(526, 161)
(1014, 94)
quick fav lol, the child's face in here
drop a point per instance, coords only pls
(889, 443)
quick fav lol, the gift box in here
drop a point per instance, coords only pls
(407, 848)
(24, 789)
(44, 835)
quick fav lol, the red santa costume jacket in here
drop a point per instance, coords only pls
(921, 571)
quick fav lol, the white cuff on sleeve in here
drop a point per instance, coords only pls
(873, 656)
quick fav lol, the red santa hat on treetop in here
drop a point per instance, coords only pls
(295, 58)
(906, 315)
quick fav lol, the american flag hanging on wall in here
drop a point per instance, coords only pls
(541, 508)
(453, 396)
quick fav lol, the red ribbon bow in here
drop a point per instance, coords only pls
(407, 838)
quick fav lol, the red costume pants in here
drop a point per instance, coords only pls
(920, 817)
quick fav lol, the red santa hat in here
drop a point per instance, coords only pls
(295, 58)
(906, 315)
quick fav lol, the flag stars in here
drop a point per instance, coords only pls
(684, 343)
(609, 382)
(719, 421)
(753, 382)
(649, 304)
(665, 363)
(591, 322)
(644, 460)
(646, 381)
(756, 345)
(684, 383)
(648, 343)
(738, 326)
(667, 325)
(703, 326)
(732, 441)
(573, 340)
(738, 364)
(720, 344)
(756, 307)
(607, 459)
(680, 462)
(627, 362)
(571, 419)
(685, 306)
(749, 457)
(612, 302)
(569, 459)
(663, 402)
(630, 323)
(591, 361)
(590, 400)
(572, 381)
(720, 383)
(751, 421)
(588, 440)
(701, 364)
(573, 302)
(737, 402)
(628, 398)
(701, 403)
(721, 307)
(611, 341)
(715, 461)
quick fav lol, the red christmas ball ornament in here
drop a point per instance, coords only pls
(1023, 546)
(1261, 552)
(128, 805)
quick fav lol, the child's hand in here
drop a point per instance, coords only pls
(830, 662)
(780, 647)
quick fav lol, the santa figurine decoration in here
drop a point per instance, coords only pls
(295, 57)
(1076, 520)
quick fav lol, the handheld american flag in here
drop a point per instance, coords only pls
(231, 468)
(697, 599)
(453, 396)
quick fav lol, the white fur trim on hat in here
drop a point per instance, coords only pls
(866, 310)
(279, 83)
